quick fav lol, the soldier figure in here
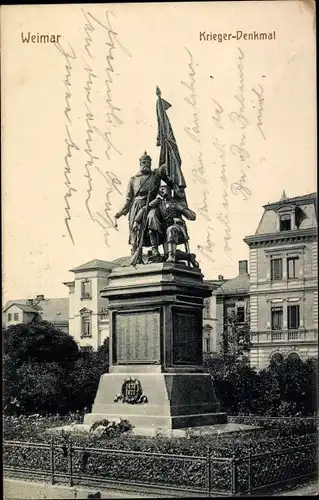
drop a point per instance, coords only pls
(142, 186)
(172, 230)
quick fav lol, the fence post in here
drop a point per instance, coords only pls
(208, 471)
(70, 462)
(234, 482)
(52, 459)
(249, 469)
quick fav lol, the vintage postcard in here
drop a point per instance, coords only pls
(159, 202)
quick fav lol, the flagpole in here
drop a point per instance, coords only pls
(164, 131)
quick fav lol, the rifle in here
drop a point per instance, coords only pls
(138, 252)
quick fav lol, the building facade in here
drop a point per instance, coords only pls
(284, 281)
(56, 311)
(88, 311)
(232, 297)
(211, 333)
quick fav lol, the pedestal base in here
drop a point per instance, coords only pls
(169, 401)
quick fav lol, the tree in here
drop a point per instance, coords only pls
(290, 387)
(37, 359)
(235, 382)
(42, 388)
(284, 388)
(236, 340)
(84, 379)
(38, 342)
(46, 372)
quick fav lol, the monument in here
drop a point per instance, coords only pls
(156, 377)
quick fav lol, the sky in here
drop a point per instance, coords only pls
(79, 111)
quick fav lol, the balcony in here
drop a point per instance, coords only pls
(86, 296)
(284, 336)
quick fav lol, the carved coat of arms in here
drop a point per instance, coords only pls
(131, 392)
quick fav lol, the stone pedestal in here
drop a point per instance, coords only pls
(156, 378)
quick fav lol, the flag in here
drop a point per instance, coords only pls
(169, 153)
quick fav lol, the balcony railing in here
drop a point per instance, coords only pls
(293, 334)
(284, 336)
(276, 335)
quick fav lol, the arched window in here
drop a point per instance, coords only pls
(277, 357)
(293, 356)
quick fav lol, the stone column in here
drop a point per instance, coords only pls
(268, 272)
(284, 267)
(302, 311)
(285, 315)
(268, 314)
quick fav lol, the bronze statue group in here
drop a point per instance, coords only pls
(156, 208)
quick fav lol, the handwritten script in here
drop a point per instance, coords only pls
(199, 173)
(98, 126)
(233, 124)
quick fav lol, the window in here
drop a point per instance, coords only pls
(16, 316)
(207, 308)
(86, 289)
(86, 326)
(276, 318)
(293, 356)
(207, 345)
(276, 269)
(299, 216)
(285, 223)
(293, 317)
(292, 267)
(241, 314)
(277, 357)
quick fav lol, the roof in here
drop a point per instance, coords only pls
(215, 284)
(239, 285)
(94, 264)
(55, 309)
(300, 200)
(122, 261)
(24, 307)
(51, 310)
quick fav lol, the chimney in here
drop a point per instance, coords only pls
(243, 266)
(220, 277)
(40, 297)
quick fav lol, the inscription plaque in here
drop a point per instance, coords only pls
(186, 337)
(137, 337)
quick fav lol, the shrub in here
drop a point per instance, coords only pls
(289, 426)
(283, 388)
(46, 372)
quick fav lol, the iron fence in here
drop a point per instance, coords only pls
(237, 418)
(207, 474)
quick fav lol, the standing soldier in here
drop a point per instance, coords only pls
(142, 186)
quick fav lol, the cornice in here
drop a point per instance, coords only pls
(268, 239)
(286, 291)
